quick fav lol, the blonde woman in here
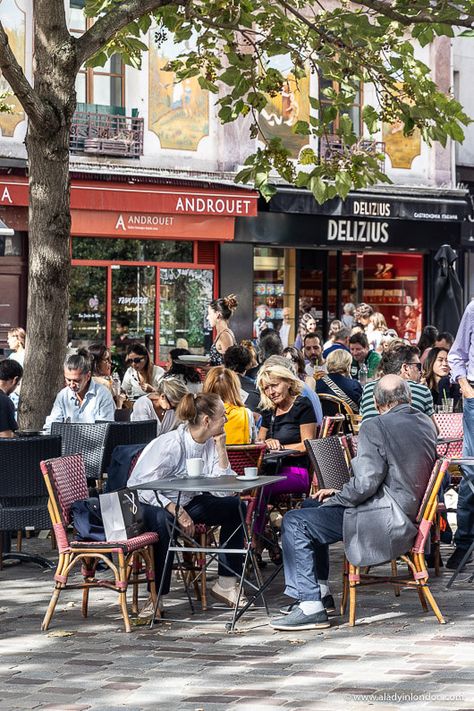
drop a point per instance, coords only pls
(240, 426)
(161, 405)
(288, 419)
(16, 342)
(338, 381)
(376, 330)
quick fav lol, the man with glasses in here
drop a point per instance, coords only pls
(404, 360)
(82, 400)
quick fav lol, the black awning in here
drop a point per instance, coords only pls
(426, 208)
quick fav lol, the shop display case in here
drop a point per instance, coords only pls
(269, 288)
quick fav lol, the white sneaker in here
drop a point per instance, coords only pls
(228, 595)
(147, 610)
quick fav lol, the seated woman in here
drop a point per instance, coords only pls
(201, 434)
(436, 372)
(161, 405)
(297, 359)
(101, 366)
(188, 375)
(141, 377)
(240, 426)
(287, 420)
(338, 381)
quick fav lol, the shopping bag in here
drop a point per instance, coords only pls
(121, 515)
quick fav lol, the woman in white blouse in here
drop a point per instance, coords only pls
(141, 376)
(201, 435)
(161, 405)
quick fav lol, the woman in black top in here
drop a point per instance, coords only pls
(287, 420)
(436, 369)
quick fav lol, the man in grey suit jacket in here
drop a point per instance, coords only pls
(374, 513)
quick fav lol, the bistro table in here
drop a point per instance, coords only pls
(223, 484)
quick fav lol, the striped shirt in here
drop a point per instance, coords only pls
(422, 399)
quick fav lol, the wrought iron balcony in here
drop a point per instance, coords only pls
(106, 134)
(332, 146)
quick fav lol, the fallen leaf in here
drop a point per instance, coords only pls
(61, 633)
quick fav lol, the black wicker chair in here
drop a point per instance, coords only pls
(141, 432)
(23, 495)
(86, 439)
(329, 462)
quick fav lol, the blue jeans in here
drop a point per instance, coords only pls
(465, 511)
(306, 534)
(205, 508)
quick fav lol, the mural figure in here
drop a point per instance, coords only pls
(13, 20)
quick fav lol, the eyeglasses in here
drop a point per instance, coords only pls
(418, 365)
(129, 361)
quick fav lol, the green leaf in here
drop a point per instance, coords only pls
(318, 188)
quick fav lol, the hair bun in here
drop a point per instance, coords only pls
(231, 301)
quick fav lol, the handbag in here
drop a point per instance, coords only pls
(121, 514)
(87, 520)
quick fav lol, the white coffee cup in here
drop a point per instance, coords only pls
(250, 472)
(194, 466)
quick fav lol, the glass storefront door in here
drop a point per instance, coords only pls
(87, 306)
(133, 298)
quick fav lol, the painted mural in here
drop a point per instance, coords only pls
(13, 21)
(402, 150)
(178, 112)
(286, 108)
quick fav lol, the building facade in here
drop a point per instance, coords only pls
(159, 227)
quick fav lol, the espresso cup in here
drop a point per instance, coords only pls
(250, 472)
(194, 466)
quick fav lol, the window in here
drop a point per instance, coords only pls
(131, 250)
(98, 85)
(355, 112)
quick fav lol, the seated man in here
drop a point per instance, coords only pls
(10, 375)
(361, 354)
(373, 514)
(82, 400)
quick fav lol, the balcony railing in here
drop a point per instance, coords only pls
(330, 147)
(106, 134)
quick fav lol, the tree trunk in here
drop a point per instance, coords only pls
(49, 216)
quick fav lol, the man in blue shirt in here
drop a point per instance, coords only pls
(82, 400)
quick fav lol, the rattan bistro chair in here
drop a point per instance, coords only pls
(23, 495)
(417, 575)
(66, 483)
(329, 460)
(87, 439)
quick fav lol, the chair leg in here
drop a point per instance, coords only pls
(19, 540)
(203, 543)
(353, 572)
(396, 588)
(62, 565)
(345, 585)
(122, 586)
(429, 596)
(136, 564)
(85, 601)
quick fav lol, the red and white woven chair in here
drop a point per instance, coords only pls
(66, 483)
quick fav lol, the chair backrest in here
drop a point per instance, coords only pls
(428, 506)
(21, 483)
(333, 405)
(88, 439)
(66, 482)
(450, 425)
(245, 455)
(140, 432)
(331, 425)
(122, 414)
(329, 461)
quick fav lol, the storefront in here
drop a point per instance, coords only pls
(13, 267)
(146, 253)
(371, 247)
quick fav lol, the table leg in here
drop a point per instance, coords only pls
(471, 547)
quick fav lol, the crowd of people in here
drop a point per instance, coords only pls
(258, 390)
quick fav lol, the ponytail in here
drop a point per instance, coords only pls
(194, 406)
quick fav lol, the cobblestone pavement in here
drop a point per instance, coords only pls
(395, 657)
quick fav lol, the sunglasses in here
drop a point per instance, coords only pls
(129, 361)
(418, 365)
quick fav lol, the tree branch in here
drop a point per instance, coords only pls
(113, 21)
(461, 19)
(36, 110)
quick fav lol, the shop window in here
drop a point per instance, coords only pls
(184, 297)
(133, 298)
(96, 85)
(11, 245)
(87, 306)
(131, 250)
(269, 288)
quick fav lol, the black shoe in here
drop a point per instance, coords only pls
(430, 561)
(328, 602)
(297, 620)
(455, 559)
